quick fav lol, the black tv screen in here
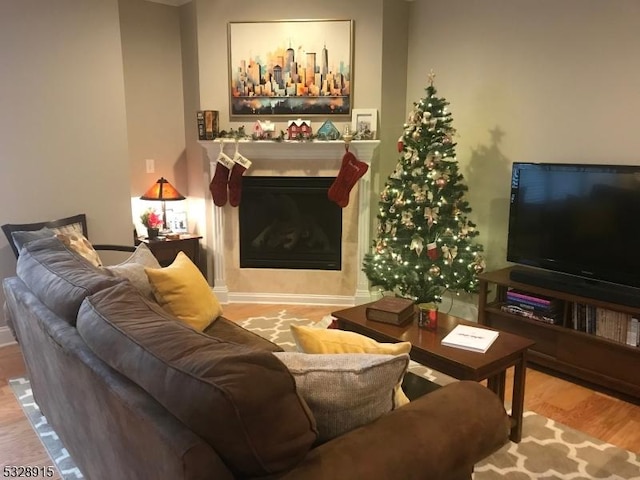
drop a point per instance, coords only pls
(582, 220)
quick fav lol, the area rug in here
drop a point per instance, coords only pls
(548, 450)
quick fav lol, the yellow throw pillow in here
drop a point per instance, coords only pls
(331, 340)
(181, 289)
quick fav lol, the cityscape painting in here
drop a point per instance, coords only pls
(290, 68)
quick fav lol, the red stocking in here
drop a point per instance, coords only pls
(351, 171)
(235, 181)
(218, 185)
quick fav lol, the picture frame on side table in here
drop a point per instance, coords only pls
(290, 68)
(177, 221)
(364, 123)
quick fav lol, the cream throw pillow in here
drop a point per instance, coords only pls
(345, 391)
(181, 289)
(133, 269)
(331, 340)
(78, 243)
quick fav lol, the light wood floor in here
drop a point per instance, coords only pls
(599, 415)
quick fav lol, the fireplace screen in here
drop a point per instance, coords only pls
(288, 222)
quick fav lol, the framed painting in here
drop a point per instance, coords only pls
(290, 68)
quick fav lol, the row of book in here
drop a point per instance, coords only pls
(617, 326)
(535, 307)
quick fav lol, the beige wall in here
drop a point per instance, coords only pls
(152, 62)
(542, 81)
(63, 138)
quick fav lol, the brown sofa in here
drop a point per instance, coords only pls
(133, 393)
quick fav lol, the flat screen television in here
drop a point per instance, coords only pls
(579, 220)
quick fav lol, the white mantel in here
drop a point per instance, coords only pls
(298, 152)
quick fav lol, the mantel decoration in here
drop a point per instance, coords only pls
(160, 191)
(298, 67)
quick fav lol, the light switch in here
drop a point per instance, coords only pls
(151, 165)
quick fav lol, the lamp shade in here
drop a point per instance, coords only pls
(162, 190)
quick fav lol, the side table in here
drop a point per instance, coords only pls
(166, 249)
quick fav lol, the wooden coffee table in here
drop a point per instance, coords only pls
(507, 351)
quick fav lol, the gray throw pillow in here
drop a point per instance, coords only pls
(24, 236)
(345, 390)
(133, 269)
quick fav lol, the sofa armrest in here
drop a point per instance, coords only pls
(437, 436)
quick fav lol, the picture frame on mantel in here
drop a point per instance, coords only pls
(290, 68)
(364, 123)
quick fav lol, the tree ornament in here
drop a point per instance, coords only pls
(432, 250)
(434, 270)
(441, 182)
(415, 135)
(449, 253)
(407, 219)
(417, 244)
(431, 215)
(400, 144)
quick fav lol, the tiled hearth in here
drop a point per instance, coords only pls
(348, 286)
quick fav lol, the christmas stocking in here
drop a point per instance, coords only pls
(218, 185)
(235, 181)
(351, 171)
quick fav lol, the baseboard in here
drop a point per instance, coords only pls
(290, 299)
(6, 338)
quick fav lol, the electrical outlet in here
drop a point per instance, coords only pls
(151, 165)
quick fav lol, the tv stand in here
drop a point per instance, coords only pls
(566, 347)
(577, 286)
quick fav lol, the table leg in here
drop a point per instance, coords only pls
(517, 407)
(497, 384)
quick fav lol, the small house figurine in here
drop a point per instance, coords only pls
(263, 130)
(328, 131)
(299, 129)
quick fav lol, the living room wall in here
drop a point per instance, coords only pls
(542, 81)
(63, 139)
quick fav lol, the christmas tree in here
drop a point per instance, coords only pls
(424, 239)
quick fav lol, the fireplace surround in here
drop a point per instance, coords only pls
(233, 283)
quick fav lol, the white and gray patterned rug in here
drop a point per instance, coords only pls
(548, 450)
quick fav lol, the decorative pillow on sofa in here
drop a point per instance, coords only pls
(79, 244)
(345, 391)
(24, 236)
(133, 269)
(331, 340)
(238, 398)
(181, 289)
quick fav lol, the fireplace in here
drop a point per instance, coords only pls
(301, 160)
(289, 223)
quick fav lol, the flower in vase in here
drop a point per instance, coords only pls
(151, 219)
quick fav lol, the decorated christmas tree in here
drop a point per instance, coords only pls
(424, 243)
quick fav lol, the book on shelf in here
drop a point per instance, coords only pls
(633, 332)
(533, 315)
(470, 338)
(394, 310)
(207, 121)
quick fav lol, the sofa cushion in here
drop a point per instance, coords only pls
(241, 400)
(60, 278)
(345, 391)
(330, 340)
(133, 269)
(184, 292)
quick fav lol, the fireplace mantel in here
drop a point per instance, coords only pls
(299, 152)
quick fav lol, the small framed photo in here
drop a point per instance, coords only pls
(177, 221)
(364, 123)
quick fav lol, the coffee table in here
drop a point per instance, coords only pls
(507, 351)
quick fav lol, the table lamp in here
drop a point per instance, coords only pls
(162, 191)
